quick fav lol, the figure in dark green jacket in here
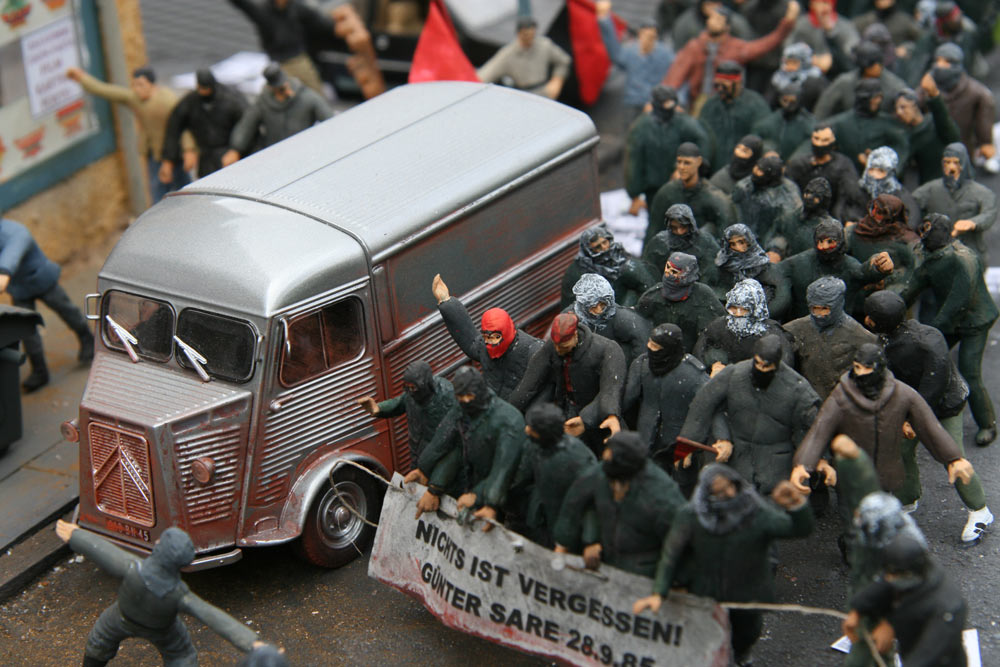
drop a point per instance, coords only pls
(601, 254)
(425, 401)
(682, 235)
(787, 127)
(863, 128)
(720, 546)
(731, 112)
(475, 450)
(621, 511)
(551, 461)
(651, 145)
(928, 133)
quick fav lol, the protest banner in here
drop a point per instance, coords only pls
(507, 589)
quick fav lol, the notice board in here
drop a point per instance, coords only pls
(48, 127)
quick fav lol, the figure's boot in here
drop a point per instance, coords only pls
(986, 434)
(39, 376)
(86, 338)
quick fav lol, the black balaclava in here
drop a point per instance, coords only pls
(772, 167)
(681, 213)
(723, 515)
(628, 456)
(829, 229)
(205, 79)
(790, 90)
(468, 380)
(420, 375)
(677, 288)
(827, 291)
(880, 36)
(670, 338)
(740, 168)
(767, 348)
(886, 310)
(658, 96)
(948, 77)
(907, 559)
(608, 263)
(936, 231)
(816, 198)
(958, 150)
(864, 92)
(547, 421)
(161, 570)
(867, 54)
(870, 385)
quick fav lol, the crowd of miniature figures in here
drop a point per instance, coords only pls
(761, 345)
(686, 402)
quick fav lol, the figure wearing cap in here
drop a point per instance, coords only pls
(283, 108)
(681, 299)
(501, 350)
(586, 373)
(209, 113)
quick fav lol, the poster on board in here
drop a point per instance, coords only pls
(503, 587)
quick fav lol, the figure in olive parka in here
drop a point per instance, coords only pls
(765, 200)
(681, 299)
(731, 112)
(425, 401)
(965, 310)
(663, 382)
(723, 539)
(972, 206)
(586, 372)
(501, 350)
(870, 406)
(747, 151)
(595, 307)
(731, 338)
(767, 409)
(918, 355)
(651, 146)
(711, 207)
(621, 511)
(784, 129)
(863, 128)
(827, 339)
(921, 603)
(741, 257)
(824, 160)
(601, 254)
(551, 461)
(150, 599)
(682, 235)
(474, 452)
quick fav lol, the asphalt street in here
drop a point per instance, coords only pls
(342, 617)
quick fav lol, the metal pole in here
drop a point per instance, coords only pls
(118, 73)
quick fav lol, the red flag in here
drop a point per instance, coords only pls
(438, 56)
(590, 58)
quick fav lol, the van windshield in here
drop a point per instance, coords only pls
(226, 343)
(149, 321)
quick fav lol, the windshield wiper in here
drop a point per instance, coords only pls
(127, 339)
(195, 358)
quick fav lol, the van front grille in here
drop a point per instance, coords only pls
(217, 499)
(120, 470)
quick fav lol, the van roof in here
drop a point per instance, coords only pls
(384, 170)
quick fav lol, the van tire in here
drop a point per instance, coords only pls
(333, 536)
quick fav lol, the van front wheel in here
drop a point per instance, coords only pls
(333, 534)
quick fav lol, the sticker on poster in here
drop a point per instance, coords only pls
(48, 53)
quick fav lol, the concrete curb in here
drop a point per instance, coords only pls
(33, 555)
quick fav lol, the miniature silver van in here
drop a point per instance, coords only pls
(240, 318)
